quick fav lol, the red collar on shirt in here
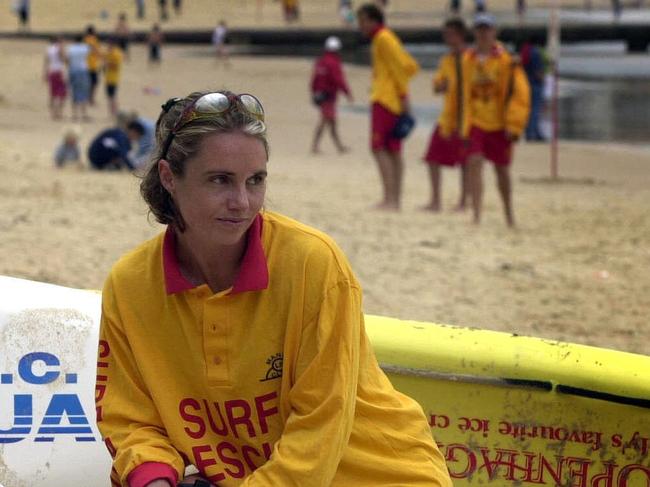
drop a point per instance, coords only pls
(376, 30)
(253, 273)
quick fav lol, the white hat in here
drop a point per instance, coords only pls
(484, 20)
(333, 44)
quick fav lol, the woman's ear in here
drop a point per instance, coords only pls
(166, 176)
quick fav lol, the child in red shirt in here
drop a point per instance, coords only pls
(327, 80)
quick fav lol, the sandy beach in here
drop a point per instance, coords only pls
(576, 269)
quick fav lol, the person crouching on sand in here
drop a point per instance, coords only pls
(497, 100)
(447, 147)
(68, 151)
(327, 80)
(236, 304)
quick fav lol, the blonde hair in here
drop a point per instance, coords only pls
(185, 144)
(72, 131)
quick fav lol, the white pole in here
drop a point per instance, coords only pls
(553, 47)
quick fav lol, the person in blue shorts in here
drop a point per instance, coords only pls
(79, 77)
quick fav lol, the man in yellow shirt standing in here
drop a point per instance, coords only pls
(446, 147)
(497, 104)
(392, 68)
(114, 60)
(94, 60)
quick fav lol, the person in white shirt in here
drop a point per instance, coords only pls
(53, 75)
(219, 42)
(79, 77)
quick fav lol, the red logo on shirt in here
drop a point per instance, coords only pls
(275, 367)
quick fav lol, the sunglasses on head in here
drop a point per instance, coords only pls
(208, 106)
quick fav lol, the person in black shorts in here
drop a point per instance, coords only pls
(154, 41)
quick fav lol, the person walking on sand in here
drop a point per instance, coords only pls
(291, 10)
(392, 68)
(139, 9)
(497, 100)
(94, 60)
(54, 76)
(219, 38)
(532, 60)
(327, 80)
(22, 9)
(123, 34)
(447, 147)
(162, 9)
(79, 77)
(114, 59)
(155, 40)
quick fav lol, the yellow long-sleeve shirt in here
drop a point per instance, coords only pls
(270, 383)
(497, 94)
(114, 59)
(450, 72)
(95, 55)
(392, 68)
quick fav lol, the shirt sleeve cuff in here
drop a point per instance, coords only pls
(147, 472)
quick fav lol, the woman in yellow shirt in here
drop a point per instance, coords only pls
(234, 341)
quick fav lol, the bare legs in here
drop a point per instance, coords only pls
(56, 107)
(434, 175)
(505, 190)
(464, 187)
(391, 170)
(112, 106)
(476, 188)
(79, 108)
(436, 180)
(331, 125)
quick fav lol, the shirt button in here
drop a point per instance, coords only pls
(214, 328)
(216, 360)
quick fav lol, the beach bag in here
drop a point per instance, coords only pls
(404, 126)
(319, 97)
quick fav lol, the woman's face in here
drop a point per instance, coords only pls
(222, 189)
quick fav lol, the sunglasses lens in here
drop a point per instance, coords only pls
(253, 106)
(212, 103)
